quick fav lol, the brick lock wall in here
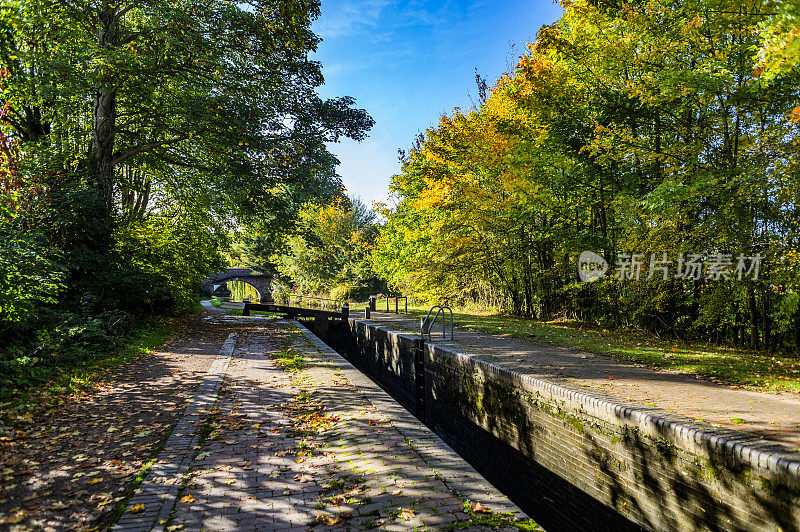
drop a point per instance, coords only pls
(388, 358)
(587, 461)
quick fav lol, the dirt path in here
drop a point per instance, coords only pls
(69, 468)
(775, 416)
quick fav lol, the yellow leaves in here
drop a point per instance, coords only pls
(794, 117)
(136, 508)
(95, 480)
(328, 520)
(188, 498)
(16, 516)
(59, 505)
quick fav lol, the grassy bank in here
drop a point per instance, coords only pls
(739, 367)
(49, 385)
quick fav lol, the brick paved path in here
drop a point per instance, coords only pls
(321, 447)
(776, 416)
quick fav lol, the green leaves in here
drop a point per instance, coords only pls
(30, 276)
(331, 252)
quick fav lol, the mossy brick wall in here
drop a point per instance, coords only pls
(388, 358)
(578, 460)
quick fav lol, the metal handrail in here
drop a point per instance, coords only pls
(425, 326)
(396, 303)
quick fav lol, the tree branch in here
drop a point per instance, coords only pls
(148, 147)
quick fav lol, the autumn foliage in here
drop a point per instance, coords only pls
(627, 127)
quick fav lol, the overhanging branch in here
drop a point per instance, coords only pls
(148, 147)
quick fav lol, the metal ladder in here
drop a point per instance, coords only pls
(426, 324)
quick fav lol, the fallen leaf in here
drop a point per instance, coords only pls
(479, 508)
(15, 518)
(58, 505)
(406, 514)
(95, 480)
(136, 508)
(327, 520)
(187, 498)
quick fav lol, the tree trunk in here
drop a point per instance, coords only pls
(104, 110)
(104, 119)
(753, 317)
(766, 332)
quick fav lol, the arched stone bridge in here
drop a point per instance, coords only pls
(262, 283)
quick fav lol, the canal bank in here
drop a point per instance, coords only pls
(578, 458)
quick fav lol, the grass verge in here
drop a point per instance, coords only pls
(481, 516)
(739, 367)
(127, 495)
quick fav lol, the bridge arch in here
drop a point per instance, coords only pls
(247, 293)
(260, 282)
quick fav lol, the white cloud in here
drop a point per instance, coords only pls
(370, 60)
(349, 17)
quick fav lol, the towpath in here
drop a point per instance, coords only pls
(283, 433)
(236, 424)
(774, 416)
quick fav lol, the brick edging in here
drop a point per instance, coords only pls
(174, 459)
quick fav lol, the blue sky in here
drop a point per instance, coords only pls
(408, 62)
